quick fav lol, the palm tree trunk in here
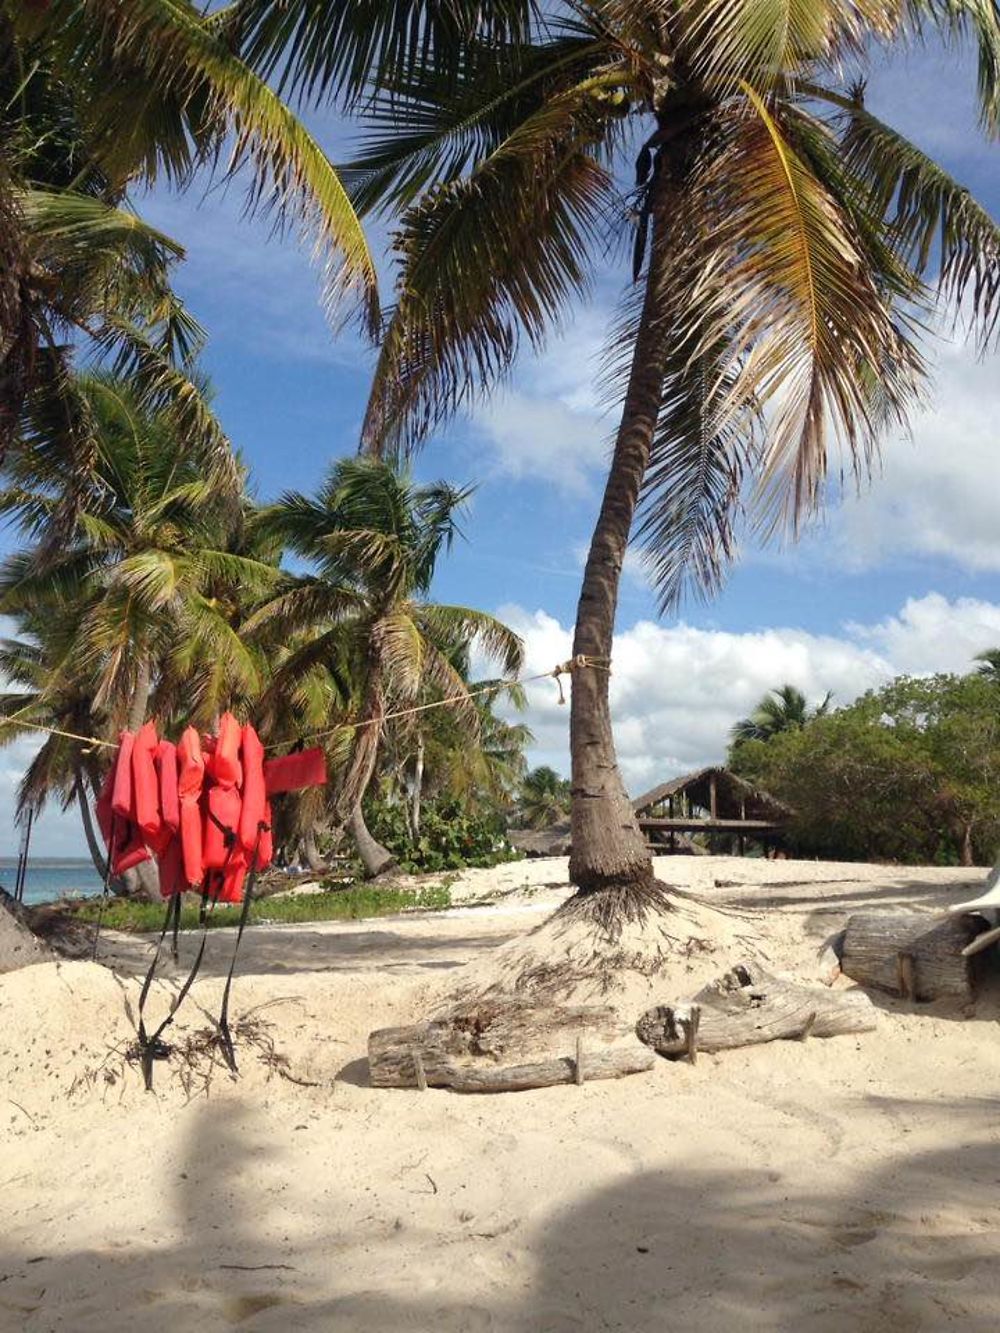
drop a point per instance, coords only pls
(375, 858)
(609, 855)
(314, 860)
(140, 696)
(97, 853)
(418, 786)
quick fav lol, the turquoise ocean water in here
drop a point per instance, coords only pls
(51, 877)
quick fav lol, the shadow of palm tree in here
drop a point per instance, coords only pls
(909, 1246)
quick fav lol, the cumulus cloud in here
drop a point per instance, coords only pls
(677, 690)
(937, 492)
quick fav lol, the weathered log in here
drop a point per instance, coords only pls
(505, 1045)
(748, 1006)
(912, 954)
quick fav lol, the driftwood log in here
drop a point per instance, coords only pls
(747, 1006)
(911, 954)
(505, 1045)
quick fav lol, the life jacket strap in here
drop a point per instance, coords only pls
(225, 1035)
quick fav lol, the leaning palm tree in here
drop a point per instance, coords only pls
(786, 244)
(373, 538)
(783, 709)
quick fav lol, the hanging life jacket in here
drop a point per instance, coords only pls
(121, 832)
(222, 856)
(295, 771)
(146, 786)
(169, 849)
(190, 780)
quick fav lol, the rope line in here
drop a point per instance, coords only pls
(581, 662)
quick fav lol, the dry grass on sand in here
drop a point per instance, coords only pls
(816, 1186)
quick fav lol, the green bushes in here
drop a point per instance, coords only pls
(450, 838)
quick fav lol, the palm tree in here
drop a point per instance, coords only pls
(148, 541)
(63, 768)
(96, 98)
(989, 663)
(785, 244)
(544, 798)
(373, 539)
(782, 709)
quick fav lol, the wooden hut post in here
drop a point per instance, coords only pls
(713, 797)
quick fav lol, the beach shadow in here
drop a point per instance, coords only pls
(274, 950)
(910, 1246)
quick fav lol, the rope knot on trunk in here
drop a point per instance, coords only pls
(582, 661)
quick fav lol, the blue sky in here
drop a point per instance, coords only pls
(906, 578)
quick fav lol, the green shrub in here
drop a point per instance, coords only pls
(451, 837)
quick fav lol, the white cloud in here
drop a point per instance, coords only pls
(543, 438)
(552, 425)
(938, 492)
(676, 690)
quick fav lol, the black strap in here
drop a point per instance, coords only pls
(225, 1036)
(107, 882)
(154, 1047)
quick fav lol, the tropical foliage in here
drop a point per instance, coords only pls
(910, 772)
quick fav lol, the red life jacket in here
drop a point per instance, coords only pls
(128, 849)
(252, 812)
(265, 849)
(169, 850)
(294, 772)
(190, 779)
(145, 785)
(222, 855)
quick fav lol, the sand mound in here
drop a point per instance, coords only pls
(662, 958)
(18, 947)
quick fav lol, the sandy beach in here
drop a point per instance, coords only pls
(812, 1185)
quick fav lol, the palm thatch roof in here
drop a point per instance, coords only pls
(735, 797)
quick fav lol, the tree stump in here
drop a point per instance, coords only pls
(505, 1045)
(748, 1006)
(911, 954)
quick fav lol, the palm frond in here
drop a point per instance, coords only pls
(321, 50)
(814, 338)
(484, 262)
(180, 56)
(934, 222)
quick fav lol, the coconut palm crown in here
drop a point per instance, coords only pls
(373, 538)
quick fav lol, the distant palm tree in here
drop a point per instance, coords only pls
(62, 769)
(989, 660)
(544, 798)
(783, 709)
(373, 538)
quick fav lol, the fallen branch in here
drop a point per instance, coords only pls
(912, 954)
(748, 1006)
(505, 1045)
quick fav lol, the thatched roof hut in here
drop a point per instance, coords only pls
(712, 801)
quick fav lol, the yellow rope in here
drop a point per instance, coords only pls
(581, 661)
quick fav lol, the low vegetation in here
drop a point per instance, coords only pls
(352, 904)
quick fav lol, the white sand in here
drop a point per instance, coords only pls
(848, 1184)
